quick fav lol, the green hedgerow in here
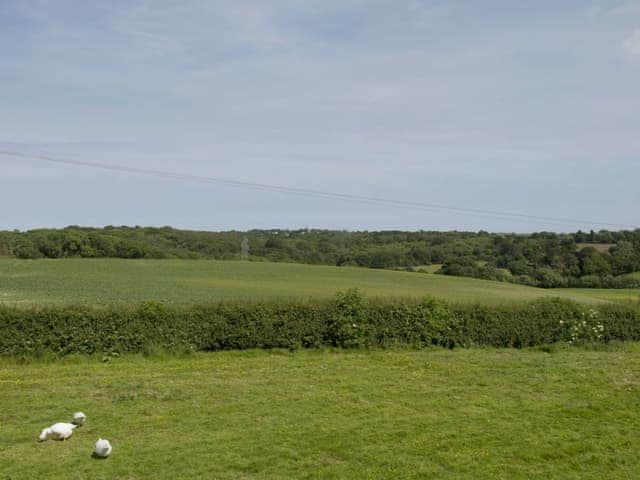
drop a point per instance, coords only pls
(347, 321)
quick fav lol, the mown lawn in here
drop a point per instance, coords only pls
(102, 282)
(479, 413)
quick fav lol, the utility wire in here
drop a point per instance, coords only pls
(405, 204)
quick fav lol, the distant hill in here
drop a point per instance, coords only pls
(545, 259)
(108, 282)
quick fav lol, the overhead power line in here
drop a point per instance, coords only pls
(404, 204)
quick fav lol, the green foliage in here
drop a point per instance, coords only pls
(549, 278)
(428, 322)
(349, 321)
(625, 257)
(608, 281)
(346, 326)
(588, 329)
(24, 248)
(592, 262)
(469, 267)
(544, 259)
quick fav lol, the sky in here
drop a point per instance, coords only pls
(530, 108)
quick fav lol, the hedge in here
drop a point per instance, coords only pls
(348, 320)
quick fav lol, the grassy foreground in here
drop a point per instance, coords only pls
(102, 282)
(477, 413)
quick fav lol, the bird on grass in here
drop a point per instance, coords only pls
(102, 448)
(62, 430)
(79, 418)
(57, 431)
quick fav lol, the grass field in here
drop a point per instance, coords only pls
(425, 268)
(476, 413)
(634, 275)
(116, 281)
(606, 294)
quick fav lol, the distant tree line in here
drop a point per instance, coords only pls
(595, 259)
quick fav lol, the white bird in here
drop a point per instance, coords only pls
(102, 448)
(79, 418)
(57, 431)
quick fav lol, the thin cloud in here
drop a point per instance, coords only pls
(626, 9)
(632, 44)
(597, 11)
(477, 103)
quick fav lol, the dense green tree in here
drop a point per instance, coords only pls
(27, 249)
(625, 258)
(592, 262)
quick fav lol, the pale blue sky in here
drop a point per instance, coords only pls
(529, 107)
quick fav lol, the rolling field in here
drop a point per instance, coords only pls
(635, 275)
(605, 294)
(104, 282)
(468, 413)
(471, 413)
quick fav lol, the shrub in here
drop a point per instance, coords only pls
(348, 321)
(588, 329)
(26, 249)
(346, 324)
(548, 278)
